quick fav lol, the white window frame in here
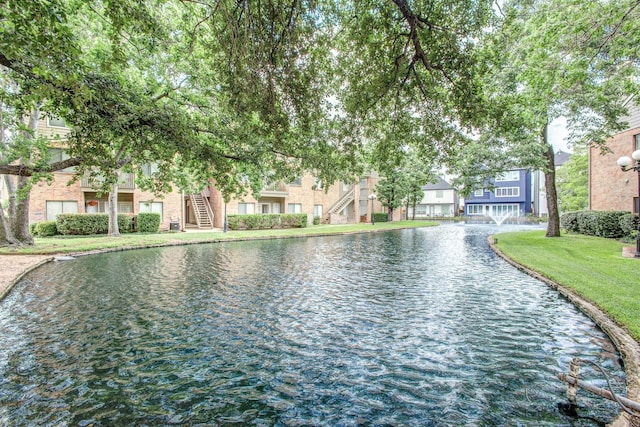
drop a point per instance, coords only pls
(56, 118)
(151, 206)
(317, 210)
(508, 176)
(246, 208)
(507, 191)
(475, 209)
(479, 193)
(66, 206)
(294, 208)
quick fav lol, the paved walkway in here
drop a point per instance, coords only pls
(12, 267)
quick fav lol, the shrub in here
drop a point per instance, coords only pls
(316, 220)
(264, 221)
(46, 229)
(629, 224)
(381, 217)
(594, 223)
(148, 222)
(608, 224)
(82, 224)
(569, 222)
(33, 228)
(125, 223)
(587, 223)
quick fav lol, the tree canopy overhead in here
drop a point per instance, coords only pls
(241, 91)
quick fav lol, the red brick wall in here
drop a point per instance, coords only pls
(609, 187)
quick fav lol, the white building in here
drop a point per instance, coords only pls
(440, 199)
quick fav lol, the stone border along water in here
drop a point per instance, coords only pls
(628, 347)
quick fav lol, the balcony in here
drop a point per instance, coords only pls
(127, 182)
(278, 189)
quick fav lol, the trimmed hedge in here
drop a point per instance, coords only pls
(629, 224)
(265, 221)
(381, 217)
(33, 228)
(148, 222)
(46, 229)
(87, 224)
(595, 223)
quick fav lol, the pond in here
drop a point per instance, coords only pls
(418, 327)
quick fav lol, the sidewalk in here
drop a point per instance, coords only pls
(13, 267)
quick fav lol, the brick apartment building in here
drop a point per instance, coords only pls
(340, 203)
(609, 187)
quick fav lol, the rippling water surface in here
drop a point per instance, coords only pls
(417, 327)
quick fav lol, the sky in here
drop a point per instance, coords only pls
(557, 133)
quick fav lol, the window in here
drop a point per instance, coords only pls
(317, 210)
(297, 181)
(149, 169)
(508, 192)
(439, 194)
(246, 208)
(294, 208)
(505, 210)
(508, 176)
(58, 155)
(55, 207)
(56, 122)
(474, 210)
(421, 210)
(153, 207)
(478, 193)
(636, 140)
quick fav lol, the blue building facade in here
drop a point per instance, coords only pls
(508, 195)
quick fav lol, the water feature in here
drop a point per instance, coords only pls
(421, 327)
(499, 219)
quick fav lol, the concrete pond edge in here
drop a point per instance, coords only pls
(626, 345)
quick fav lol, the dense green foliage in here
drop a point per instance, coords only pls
(266, 221)
(606, 224)
(593, 267)
(247, 92)
(380, 217)
(46, 229)
(87, 224)
(148, 222)
(629, 224)
(572, 179)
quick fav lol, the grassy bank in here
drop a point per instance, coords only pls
(593, 267)
(75, 244)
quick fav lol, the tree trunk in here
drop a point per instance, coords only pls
(20, 218)
(113, 209)
(413, 213)
(390, 215)
(553, 225)
(6, 236)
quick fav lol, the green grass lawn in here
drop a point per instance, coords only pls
(75, 244)
(591, 266)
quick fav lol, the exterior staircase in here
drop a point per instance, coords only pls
(202, 211)
(344, 200)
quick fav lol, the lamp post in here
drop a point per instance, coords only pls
(372, 197)
(626, 164)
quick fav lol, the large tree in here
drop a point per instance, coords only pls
(551, 58)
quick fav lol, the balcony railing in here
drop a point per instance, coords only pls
(278, 189)
(127, 182)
